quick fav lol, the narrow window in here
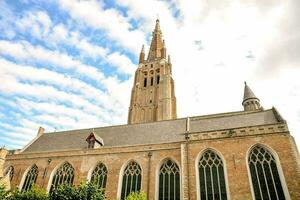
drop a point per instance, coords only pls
(211, 176)
(264, 174)
(169, 181)
(151, 81)
(145, 82)
(157, 79)
(132, 177)
(99, 176)
(30, 179)
(10, 171)
(63, 175)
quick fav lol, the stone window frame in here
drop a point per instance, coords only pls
(55, 170)
(22, 182)
(119, 190)
(224, 168)
(90, 173)
(158, 166)
(278, 165)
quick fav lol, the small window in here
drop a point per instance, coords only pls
(150, 101)
(145, 82)
(157, 79)
(151, 81)
(151, 65)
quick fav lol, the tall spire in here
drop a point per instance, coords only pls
(250, 101)
(157, 45)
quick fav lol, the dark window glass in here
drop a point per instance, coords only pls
(132, 179)
(145, 82)
(30, 179)
(99, 176)
(211, 176)
(169, 181)
(264, 174)
(63, 175)
(151, 81)
(10, 171)
(157, 79)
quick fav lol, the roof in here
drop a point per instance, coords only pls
(150, 133)
(248, 93)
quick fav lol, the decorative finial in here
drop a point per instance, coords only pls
(245, 82)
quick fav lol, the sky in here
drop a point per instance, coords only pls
(68, 64)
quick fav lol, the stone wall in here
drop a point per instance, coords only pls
(233, 149)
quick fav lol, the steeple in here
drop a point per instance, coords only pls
(157, 44)
(250, 101)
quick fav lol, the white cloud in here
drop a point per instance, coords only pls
(117, 26)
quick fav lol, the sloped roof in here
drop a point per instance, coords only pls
(150, 133)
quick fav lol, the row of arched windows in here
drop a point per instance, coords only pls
(262, 165)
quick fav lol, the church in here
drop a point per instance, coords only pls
(249, 154)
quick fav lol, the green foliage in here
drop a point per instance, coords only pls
(3, 193)
(35, 193)
(136, 196)
(85, 191)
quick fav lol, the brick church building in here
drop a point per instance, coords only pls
(249, 154)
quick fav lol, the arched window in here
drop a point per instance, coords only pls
(63, 175)
(132, 177)
(169, 181)
(30, 179)
(264, 174)
(211, 176)
(99, 175)
(10, 171)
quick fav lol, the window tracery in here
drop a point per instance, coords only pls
(99, 175)
(131, 181)
(30, 179)
(169, 181)
(264, 174)
(211, 176)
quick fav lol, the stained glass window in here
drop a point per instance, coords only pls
(99, 175)
(132, 177)
(30, 179)
(169, 181)
(211, 176)
(63, 175)
(264, 174)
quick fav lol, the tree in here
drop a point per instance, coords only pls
(136, 196)
(3, 193)
(85, 191)
(36, 193)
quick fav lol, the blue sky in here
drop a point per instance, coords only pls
(68, 64)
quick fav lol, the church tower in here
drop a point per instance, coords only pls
(152, 95)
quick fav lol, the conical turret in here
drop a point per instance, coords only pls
(157, 44)
(250, 101)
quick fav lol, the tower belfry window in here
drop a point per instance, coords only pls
(157, 79)
(151, 81)
(145, 82)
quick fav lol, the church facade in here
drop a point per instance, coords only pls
(249, 154)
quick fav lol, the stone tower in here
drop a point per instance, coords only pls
(250, 101)
(152, 95)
